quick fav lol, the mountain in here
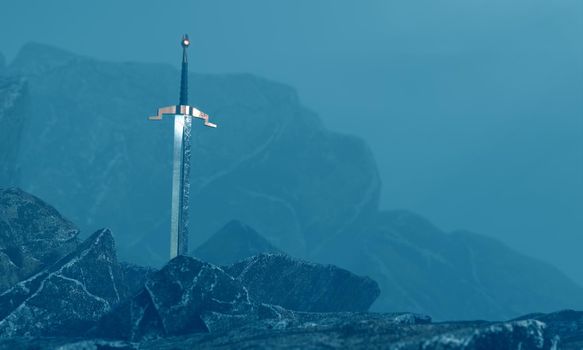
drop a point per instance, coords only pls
(420, 268)
(235, 241)
(303, 286)
(88, 149)
(13, 106)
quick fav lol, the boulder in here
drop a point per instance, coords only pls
(135, 276)
(33, 235)
(303, 286)
(69, 296)
(234, 242)
(174, 301)
(565, 325)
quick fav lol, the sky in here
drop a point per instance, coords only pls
(473, 108)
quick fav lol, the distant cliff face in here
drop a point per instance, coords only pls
(12, 117)
(90, 150)
(421, 268)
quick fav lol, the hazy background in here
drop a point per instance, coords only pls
(474, 109)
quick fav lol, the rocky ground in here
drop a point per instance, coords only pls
(82, 297)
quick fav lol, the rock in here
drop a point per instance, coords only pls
(33, 235)
(258, 316)
(302, 286)
(68, 297)
(234, 242)
(64, 344)
(13, 106)
(371, 332)
(566, 325)
(528, 334)
(135, 276)
(174, 300)
(300, 330)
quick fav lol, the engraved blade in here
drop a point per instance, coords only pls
(185, 202)
(177, 165)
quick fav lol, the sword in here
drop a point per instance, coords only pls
(183, 114)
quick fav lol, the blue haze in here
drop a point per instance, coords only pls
(473, 109)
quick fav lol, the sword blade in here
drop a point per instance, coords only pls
(180, 186)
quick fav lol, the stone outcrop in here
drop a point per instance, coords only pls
(135, 276)
(68, 297)
(566, 326)
(174, 301)
(33, 235)
(303, 286)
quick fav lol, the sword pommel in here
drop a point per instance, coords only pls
(185, 41)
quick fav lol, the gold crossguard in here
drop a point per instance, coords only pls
(183, 110)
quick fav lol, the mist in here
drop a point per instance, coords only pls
(473, 109)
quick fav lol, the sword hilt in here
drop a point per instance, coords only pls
(183, 110)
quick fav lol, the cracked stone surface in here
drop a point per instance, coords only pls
(33, 235)
(370, 331)
(174, 300)
(566, 325)
(304, 286)
(69, 296)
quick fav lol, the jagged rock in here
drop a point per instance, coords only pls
(302, 286)
(258, 315)
(566, 325)
(174, 300)
(13, 104)
(528, 334)
(135, 276)
(66, 298)
(234, 242)
(33, 235)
